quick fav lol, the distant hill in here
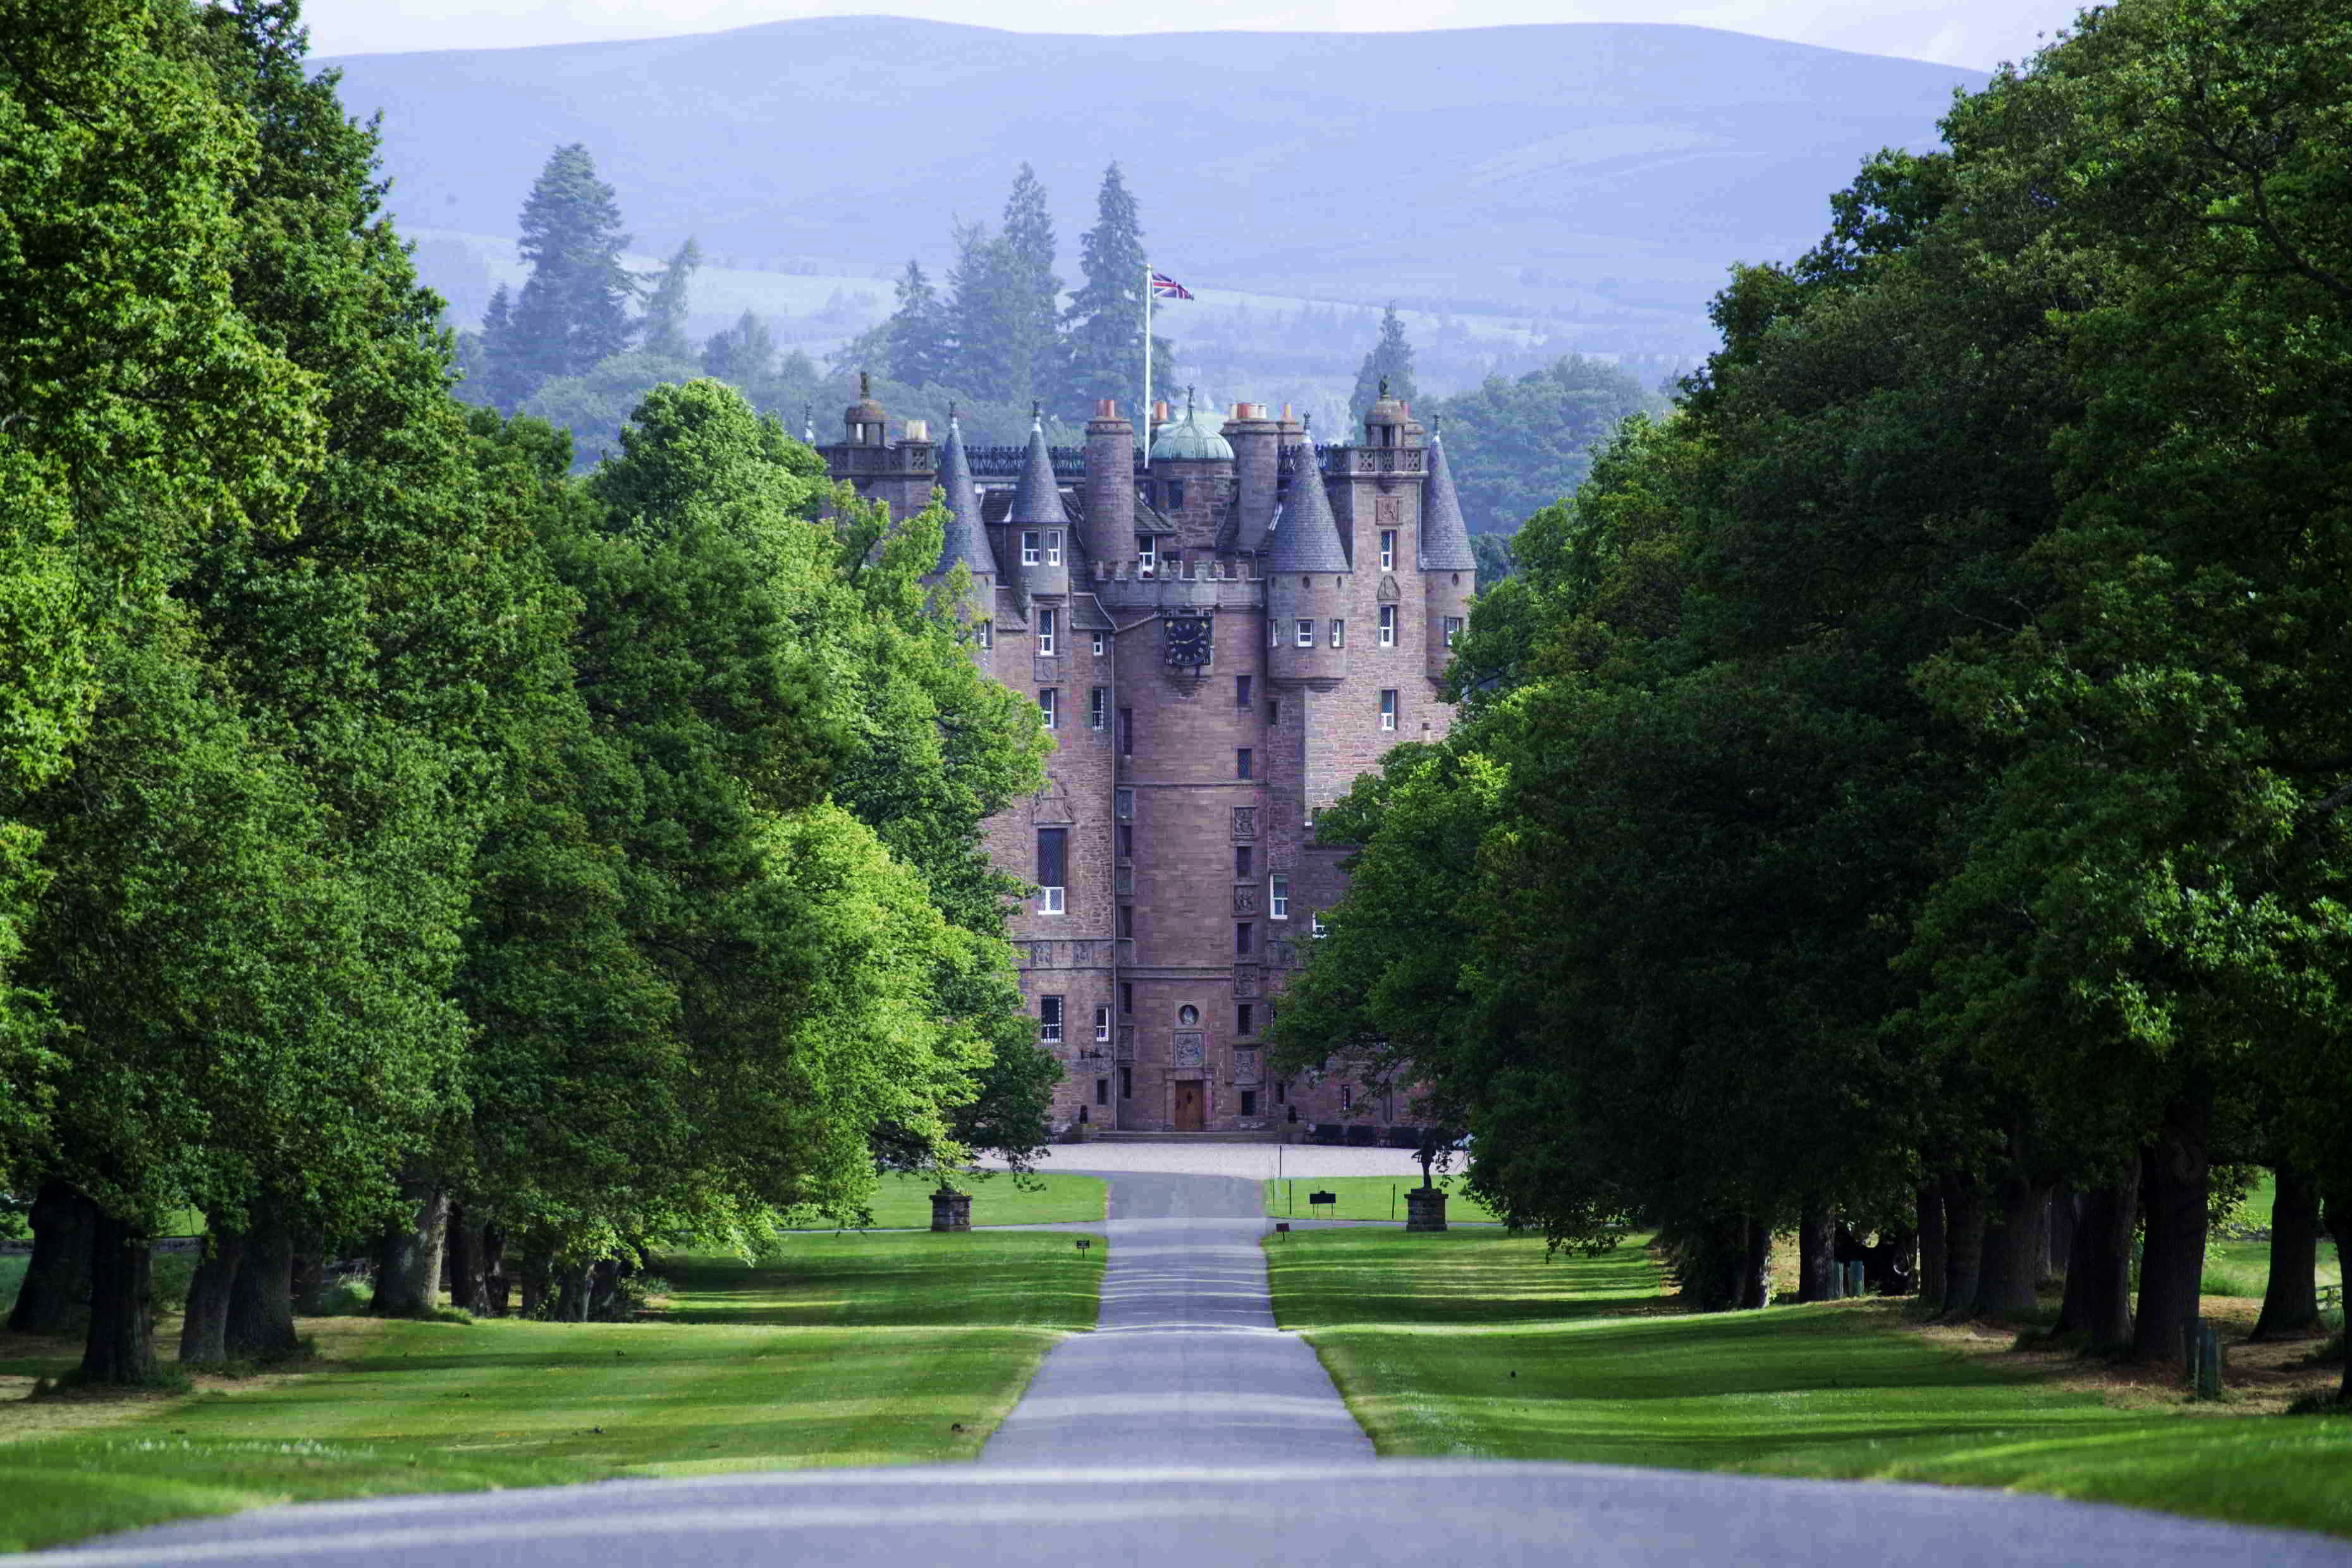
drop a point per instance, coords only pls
(1587, 174)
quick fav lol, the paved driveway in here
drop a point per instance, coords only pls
(1189, 1434)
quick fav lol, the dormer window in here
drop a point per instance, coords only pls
(1147, 551)
(1030, 543)
(1052, 547)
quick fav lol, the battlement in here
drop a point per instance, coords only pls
(1138, 570)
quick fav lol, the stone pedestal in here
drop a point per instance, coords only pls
(1424, 1208)
(952, 1211)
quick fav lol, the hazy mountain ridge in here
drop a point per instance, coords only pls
(1532, 171)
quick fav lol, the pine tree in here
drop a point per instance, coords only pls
(499, 383)
(1105, 315)
(664, 318)
(1390, 359)
(1036, 291)
(919, 340)
(990, 358)
(575, 308)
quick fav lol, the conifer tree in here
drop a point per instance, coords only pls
(1034, 291)
(664, 318)
(575, 307)
(1105, 315)
(1390, 360)
(985, 310)
(918, 340)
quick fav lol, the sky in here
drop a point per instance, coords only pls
(1974, 33)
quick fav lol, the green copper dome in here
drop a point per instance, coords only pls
(1191, 439)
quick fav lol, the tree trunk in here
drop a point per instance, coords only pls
(604, 1289)
(2291, 1301)
(1756, 1266)
(2174, 1183)
(2098, 1266)
(571, 1302)
(461, 1267)
(261, 1302)
(204, 1332)
(537, 1266)
(2012, 1251)
(1817, 1254)
(2058, 1236)
(309, 1276)
(2339, 1226)
(408, 1267)
(496, 1283)
(1931, 1248)
(55, 1294)
(121, 1347)
(1964, 1239)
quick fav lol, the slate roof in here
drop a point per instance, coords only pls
(1445, 537)
(1037, 499)
(1304, 537)
(967, 537)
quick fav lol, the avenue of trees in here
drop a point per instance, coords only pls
(401, 839)
(1912, 778)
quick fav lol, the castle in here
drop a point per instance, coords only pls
(1223, 630)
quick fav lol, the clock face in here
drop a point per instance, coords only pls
(1188, 640)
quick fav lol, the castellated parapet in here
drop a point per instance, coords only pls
(1224, 633)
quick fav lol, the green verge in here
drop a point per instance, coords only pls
(1362, 1197)
(904, 1202)
(1470, 1343)
(835, 1349)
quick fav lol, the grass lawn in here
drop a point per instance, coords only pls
(1474, 1344)
(1360, 1198)
(905, 1201)
(837, 1349)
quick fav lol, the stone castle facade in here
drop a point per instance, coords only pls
(1221, 635)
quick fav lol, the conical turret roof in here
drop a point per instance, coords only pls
(967, 538)
(1305, 538)
(1445, 537)
(1039, 497)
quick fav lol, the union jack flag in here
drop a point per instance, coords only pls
(1166, 287)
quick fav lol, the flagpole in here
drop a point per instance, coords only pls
(1144, 419)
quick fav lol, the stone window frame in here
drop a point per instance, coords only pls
(987, 634)
(1305, 634)
(1049, 624)
(1277, 895)
(1244, 761)
(1031, 539)
(1049, 1020)
(1097, 707)
(1052, 547)
(1338, 632)
(1388, 549)
(1388, 626)
(1049, 704)
(1102, 647)
(1389, 708)
(1245, 938)
(1453, 629)
(1102, 1023)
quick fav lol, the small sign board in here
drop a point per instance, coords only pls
(1322, 1197)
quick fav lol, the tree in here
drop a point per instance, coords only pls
(1389, 364)
(664, 323)
(1104, 318)
(1519, 445)
(1034, 290)
(575, 307)
(741, 356)
(917, 336)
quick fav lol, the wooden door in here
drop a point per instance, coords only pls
(1189, 1106)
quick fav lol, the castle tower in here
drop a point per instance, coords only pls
(965, 541)
(1256, 442)
(1449, 566)
(1111, 484)
(1192, 478)
(1037, 524)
